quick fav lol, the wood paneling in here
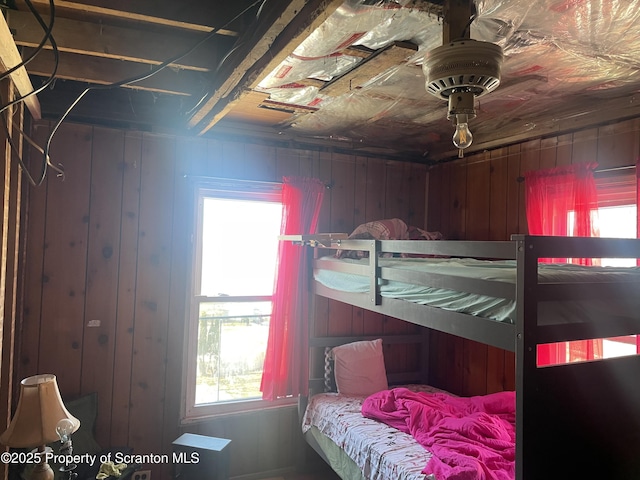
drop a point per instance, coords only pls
(64, 269)
(107, 261)
(125, 313)
(105, 206)
(483, 197)
(29, 351)
(11, 243)
(110, 243)
(153, 281)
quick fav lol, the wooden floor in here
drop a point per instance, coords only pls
(313, 468)
(308, 476)
(321, 473)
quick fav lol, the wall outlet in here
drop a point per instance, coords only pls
(142, 475)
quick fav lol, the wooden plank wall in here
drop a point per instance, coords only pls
(106, 265)
(10, 245)
(480, 198)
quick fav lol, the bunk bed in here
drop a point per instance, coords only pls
(579, 420)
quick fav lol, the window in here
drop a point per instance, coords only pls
(616, 217)
(235, 246)
(617, 209)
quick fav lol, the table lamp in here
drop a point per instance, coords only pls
(34, 423)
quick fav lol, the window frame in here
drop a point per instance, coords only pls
(617, 187)
(227, 189)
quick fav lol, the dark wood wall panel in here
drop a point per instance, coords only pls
(126, 284)
(11, 243)
(29, 352)
(153, 280)
(101, 298)
(107, 261)
(482, 197)
(497, 188)
(65, 261)
(109, 244)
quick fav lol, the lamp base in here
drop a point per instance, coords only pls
(42, 471)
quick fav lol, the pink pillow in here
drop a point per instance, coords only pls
(359, 368)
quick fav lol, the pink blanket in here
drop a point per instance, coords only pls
(470, 438)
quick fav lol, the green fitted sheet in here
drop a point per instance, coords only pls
(499, 309)
(338, 460)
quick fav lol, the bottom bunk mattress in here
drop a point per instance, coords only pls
(356, 445)
(468, 438)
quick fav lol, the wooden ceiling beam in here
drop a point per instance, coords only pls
(9, 58)
(148, 12)
(104, 71)
(455, 24)
(317, 13)
(120, 108)
(118, 43)
(267, 48)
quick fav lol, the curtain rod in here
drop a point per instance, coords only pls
(613, 169)
(224, 180)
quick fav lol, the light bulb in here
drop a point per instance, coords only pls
(64, 429)
(462, 137)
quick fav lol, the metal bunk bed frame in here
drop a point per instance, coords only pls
(572, 421)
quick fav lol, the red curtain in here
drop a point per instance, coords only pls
(553, 197)
(286, 362)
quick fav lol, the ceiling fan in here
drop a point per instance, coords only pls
(461, 70)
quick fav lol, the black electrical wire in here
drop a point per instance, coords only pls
(40, 46)
(15, 151)
(47, 37)
(466, 32)
(17, 154)
(56, 54)
(139, 78)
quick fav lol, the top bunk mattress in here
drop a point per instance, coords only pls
(499, 309)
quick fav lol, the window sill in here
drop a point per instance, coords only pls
(203, 413)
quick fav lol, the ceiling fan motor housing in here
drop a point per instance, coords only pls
(465, 65)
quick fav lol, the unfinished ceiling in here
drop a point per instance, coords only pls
(343, 73)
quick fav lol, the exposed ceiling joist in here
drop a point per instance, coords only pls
(546, 88)
(129, 44)
(187, 14)
(267, 49)
(456, 23)
(9, 58)
(105, 71)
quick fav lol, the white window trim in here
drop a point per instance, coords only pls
(223, 188)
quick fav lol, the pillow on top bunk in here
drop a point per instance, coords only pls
(391, 229)
(359, 368)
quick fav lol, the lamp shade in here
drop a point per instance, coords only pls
(39, 410)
